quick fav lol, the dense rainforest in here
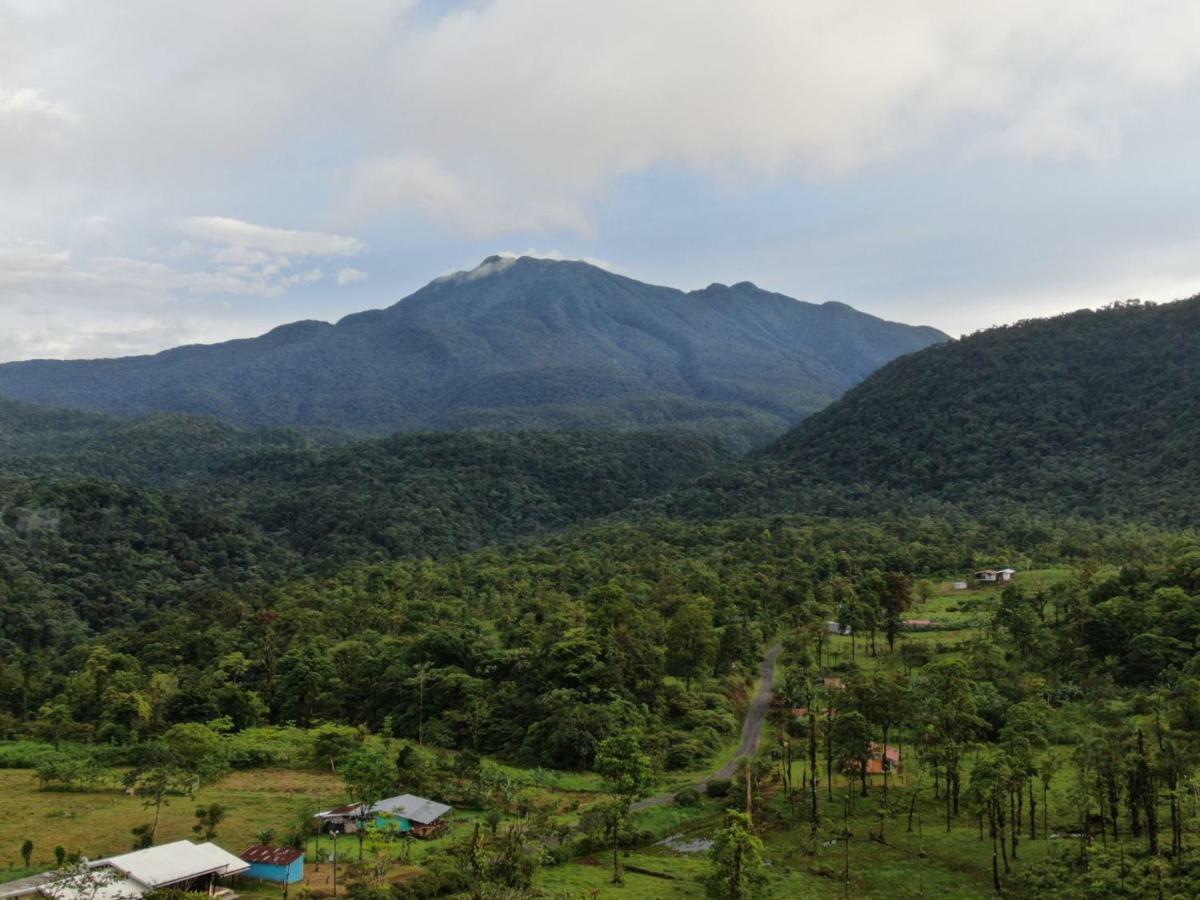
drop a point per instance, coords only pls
(1088, 414)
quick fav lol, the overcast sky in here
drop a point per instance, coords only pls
(175, 172)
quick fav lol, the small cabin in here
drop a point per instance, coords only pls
(406, 814)
(281, 865)
(921, 625)
(837, 628)
(994, 576)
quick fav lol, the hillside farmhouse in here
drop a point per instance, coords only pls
(406, 813)
(179, 866)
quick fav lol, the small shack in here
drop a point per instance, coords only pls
(282, 865)
(994, 576)
(921, 625)
(405, 813)
(415, 815)
(837, 628)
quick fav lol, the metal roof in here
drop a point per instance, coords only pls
(168, 864)
(272, 856)
(415, 809)
(407, 806)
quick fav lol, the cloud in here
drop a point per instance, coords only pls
(473, 204)
(350, 276)
(577, 96)
(246, 236)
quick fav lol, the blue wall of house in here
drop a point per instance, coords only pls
(279, 874)
(384, 823)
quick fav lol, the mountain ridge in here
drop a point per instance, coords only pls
(1090, 414)
(514, 343)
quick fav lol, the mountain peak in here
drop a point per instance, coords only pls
(515, 342)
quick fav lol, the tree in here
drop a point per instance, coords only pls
(197, 750)
(333, 741)
(207, 820)
(736, 861)
(851, 741)
(895, 599)
(628, 775)
(368, 776)
(692, 641)
(156, 774)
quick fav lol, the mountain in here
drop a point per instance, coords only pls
(1094, 414)
(405, 495)
(512, 344)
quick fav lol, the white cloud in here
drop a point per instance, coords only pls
(521, 120)
(513, 116)
(245, 235)
(517, 115)
(349, 275)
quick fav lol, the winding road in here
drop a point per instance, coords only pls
(751, 730)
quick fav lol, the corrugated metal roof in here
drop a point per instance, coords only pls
(415, 809)
(272, 856)
(171, 863)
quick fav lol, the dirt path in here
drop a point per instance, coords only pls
(751, 730)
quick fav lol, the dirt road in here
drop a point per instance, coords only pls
(751, 730)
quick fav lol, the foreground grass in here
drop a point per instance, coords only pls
(99, 823)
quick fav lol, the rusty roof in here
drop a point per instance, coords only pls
(272, 856)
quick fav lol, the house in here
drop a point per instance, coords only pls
(421, 817)
(837, 628)
(875, 763)
(406, 813)
(179, 866)
(282, 865)
(960, 585)
(921, 625)
(834, 684)
(994, 576)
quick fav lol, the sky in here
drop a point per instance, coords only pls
(180, 172)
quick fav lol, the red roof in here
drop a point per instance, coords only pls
(272, 856)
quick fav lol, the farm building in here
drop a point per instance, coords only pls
(921, 625)
(282, 865)
(181, 866)
(875, 764)
(406, 813)
(994, 576)
(837, 628)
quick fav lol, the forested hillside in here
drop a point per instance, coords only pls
(1089, 414)
(512, 344)
(407, 495)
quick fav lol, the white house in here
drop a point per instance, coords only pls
(181, 865)
(995, 576)
(837, 628)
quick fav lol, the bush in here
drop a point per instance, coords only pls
(688, 797)
(719, 787)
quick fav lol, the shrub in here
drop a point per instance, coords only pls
(719, 787)
(688, 797)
